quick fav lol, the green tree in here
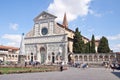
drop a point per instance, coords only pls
(78, 43)
(103, 46)
(87, 47)
(92, 46)
(82, 45)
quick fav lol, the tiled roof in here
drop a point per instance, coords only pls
(70, 30)
(8, 47)
(64, 27)
(118, 52)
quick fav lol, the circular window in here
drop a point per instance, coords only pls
(44, 31)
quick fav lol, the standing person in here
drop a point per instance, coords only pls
(85, 65)
(25, 64)
(61, 66)
(106, 65)
(112, 66)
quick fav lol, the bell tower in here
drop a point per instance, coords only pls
(65, 22)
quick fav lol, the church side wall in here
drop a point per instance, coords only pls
(58, 29)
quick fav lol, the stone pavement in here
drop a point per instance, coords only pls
(70, 74)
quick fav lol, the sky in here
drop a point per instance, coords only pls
(92, 17)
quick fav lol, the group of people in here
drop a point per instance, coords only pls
(79, 65)
(113, 66)
(76, 65)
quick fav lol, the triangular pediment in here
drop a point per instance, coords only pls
(44, 15)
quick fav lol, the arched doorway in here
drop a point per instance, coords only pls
(112, 58)
(80, 58)
(76, 58)
(90, 58)
(95, 58)
(70, 57)
(106, 58)
(100, 58)
(85, 58)
(43, 54)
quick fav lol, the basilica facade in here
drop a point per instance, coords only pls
(47, 41)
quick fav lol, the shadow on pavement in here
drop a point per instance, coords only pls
(117, 74)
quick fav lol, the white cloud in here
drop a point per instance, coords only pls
(98, 37)
(14, 26)
(114, 37)
(95, 13)
(116, 47)
(12, 44)
(73, 8)
(12, 39)
(115, 42)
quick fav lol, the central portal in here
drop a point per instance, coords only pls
(43, 55)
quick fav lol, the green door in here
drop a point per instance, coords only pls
(43, 58)
(43, 55)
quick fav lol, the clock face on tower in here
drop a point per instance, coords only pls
(44, 31)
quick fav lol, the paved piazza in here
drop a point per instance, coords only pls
(70, 74)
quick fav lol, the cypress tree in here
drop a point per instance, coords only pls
(82, 45)
(87, 47)
(92, 49)
(103, 46)
(78, 43)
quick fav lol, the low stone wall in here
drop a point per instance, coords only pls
(93, 57)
